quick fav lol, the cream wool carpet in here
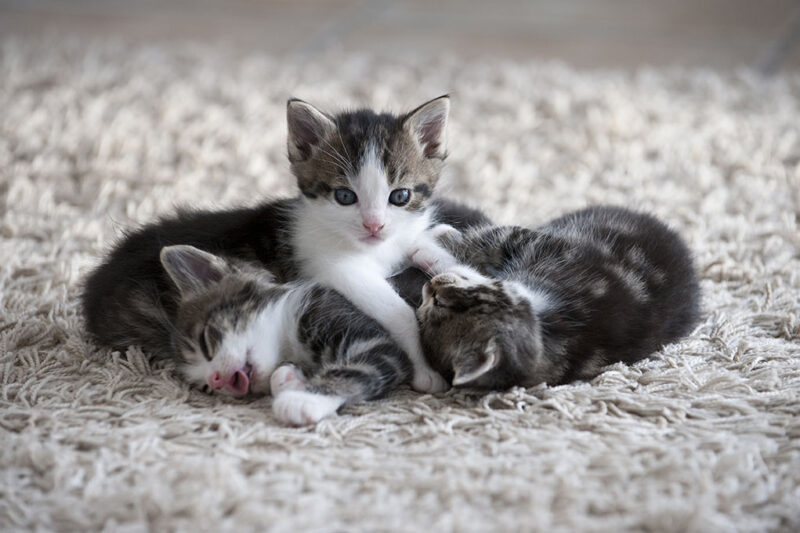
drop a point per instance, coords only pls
(703, 437)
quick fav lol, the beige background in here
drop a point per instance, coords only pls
(585, 33)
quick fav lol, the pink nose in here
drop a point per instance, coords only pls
(215, 381)
(373, 227)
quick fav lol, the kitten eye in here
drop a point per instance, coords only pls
(399, 197)
(345, 196)
(204, 345)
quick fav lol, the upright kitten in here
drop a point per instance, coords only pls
(366, 180)
(556, 303)
(237, 331)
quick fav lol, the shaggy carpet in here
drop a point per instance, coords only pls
(704, 436)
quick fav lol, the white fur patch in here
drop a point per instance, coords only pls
(302, 408)
(372, 187)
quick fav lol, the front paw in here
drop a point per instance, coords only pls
(431, 258)
(303, 408)
(440, 231)
(428, 380)
(285, 378)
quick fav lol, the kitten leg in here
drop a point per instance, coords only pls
(376, 297)
(429, 255)
(293, 404)
(369, 373)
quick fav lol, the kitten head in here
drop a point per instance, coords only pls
(219, 332)
(369, 175)
(479, 332)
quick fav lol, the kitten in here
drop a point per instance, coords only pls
(365, 180)
(237, 331)
(514, 306)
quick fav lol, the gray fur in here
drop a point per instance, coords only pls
(324, 149)
(343, 352)
(608, 285)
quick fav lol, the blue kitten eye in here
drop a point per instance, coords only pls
(399, 197)
(345, 196)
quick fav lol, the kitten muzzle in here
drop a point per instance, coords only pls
(238, 383)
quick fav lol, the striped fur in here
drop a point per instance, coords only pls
(559, 302)
(234, 325)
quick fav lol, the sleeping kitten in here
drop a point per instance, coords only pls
(237, 331)
(513, 306)
(366, 181)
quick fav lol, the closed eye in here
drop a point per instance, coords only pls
(204, 345)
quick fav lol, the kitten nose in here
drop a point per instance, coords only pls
(373, 227)
(215, 381)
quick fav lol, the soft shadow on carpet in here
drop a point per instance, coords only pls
(705, 436)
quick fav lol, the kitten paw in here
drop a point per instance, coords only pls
(285, 378)
(428, 381)
(441, 230)
(431, 258)
(303, 408)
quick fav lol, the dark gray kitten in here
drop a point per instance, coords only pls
(237, 331)
(556, 303)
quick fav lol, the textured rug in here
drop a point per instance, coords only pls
(704, 436)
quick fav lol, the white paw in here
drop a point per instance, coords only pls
(431, 257)
(302, 408)
(440, 230)
(428, 380)
(285, 378)
(460, 276)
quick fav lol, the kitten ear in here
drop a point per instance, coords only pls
(308, 126)
(192, 269)
(427, 124)
(473, 366)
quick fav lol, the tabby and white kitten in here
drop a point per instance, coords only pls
(237, 331)
(366, 180)
(513, 306)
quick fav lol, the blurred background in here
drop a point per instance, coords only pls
(720, 34)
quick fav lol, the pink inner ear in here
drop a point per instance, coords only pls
(430, 134)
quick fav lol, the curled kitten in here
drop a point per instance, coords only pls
(515, 306)
(236, 331)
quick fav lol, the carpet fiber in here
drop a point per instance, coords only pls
(703, 436)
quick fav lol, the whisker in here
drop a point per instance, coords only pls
(339, 156)
(337, 161)
(346, 151)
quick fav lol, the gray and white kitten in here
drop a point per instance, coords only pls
(511, 306)
(366, 182)
(237, 331)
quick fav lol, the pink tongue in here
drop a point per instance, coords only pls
(239, 383)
